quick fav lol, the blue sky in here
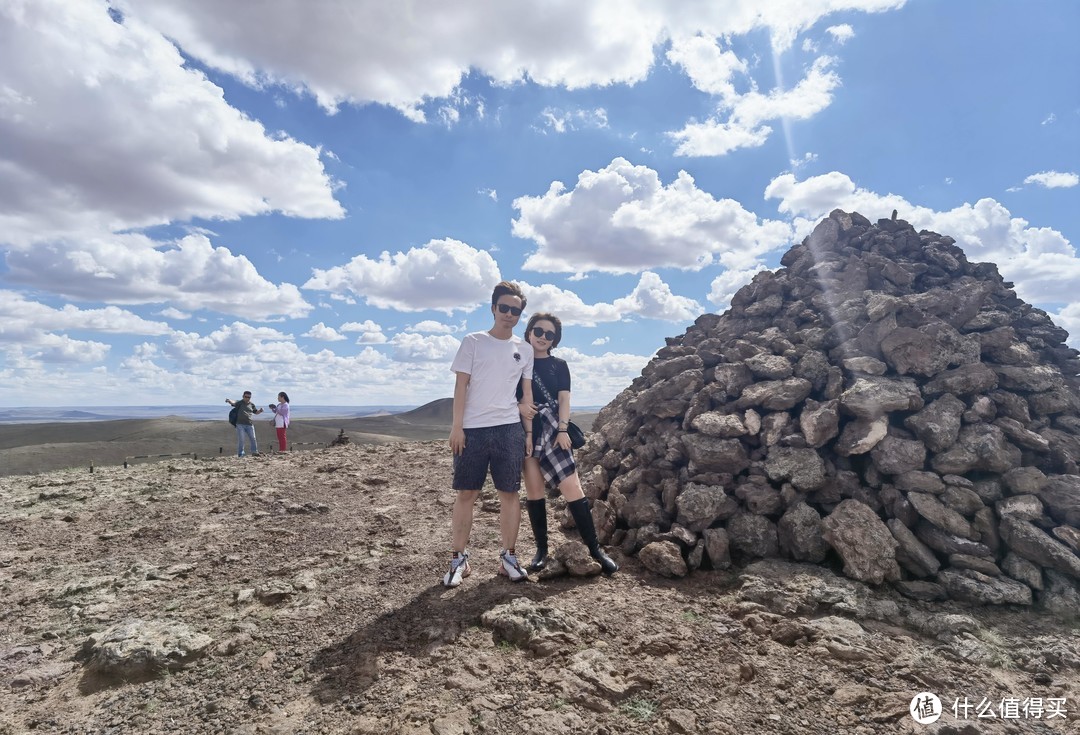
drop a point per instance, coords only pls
(198, 198)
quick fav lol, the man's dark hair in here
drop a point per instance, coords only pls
(544, 316)
(508, 288)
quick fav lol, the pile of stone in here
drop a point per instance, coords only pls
(878, 402)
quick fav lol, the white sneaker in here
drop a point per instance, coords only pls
(509, 567)
(459, 569)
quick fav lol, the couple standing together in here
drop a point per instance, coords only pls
(511, 410)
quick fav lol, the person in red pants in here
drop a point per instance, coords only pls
(281, 419)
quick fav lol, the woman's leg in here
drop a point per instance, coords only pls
(536, 505)
(282, 444)
(579, 509)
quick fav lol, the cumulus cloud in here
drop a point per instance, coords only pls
(131, 269)
(412, 347)
(1069, 318)
(623, 219)
(444, 275)
(402, 59)
(433, 327)
(709, 67)
(370, 332)
(171, 312)
(1040, 261)
(600, 341)
(596, 378)
(651, 298)
(138, 102)
(841, 33)
(324, 333)
(1054, 179)
(740, 120)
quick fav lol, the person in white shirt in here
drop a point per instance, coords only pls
(487, 432)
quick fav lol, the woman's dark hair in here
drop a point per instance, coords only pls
(544, 316)
(284, 395)
(508, 288)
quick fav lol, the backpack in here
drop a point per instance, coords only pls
(232, 415)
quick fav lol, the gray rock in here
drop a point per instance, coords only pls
(1034, 544)
(947, 519)
(775, 395)
(769, 367)
(1024, 480)
(894, 456)
(699, 506)
(912, 554)
(868, 365)
(804, 468)
(917, 351)
(1021, 436)
(800, 534)
(710, 454)
(715, 423)
(962, 381)
(574, 557)
(1023, 570)
(977, 563)
(753, 535)
(820, 422)
(1024, 507)
(138, 650)
(946, 543)
(1061, 596)
(1035, 378)
(938, 425)
(760, 498)
(529, 625)
(921, 590)
(919, 481)
(964, 501)
(861, 436)
(1068, 536)
(664, 558)
(717, 547)
(872, 397)
(971, 586)
(979, 447)
(1061, 495)
(863, 541)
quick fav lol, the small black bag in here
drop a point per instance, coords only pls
(577, 436)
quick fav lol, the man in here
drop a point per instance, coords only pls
(245, 409)
(487, 432)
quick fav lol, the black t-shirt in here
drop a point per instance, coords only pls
(554, 373)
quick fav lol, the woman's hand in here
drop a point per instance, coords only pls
(527, 410)
(562, 439)
(528, 443)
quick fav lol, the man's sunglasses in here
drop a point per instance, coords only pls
(539, 332)
(507, 308)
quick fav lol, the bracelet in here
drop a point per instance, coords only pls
(562, 431)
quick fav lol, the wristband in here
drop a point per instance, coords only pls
(562, 431)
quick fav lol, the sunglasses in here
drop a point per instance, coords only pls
(504, 308)
(538, 332)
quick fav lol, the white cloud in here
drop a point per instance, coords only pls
(59, 348)
(622, 219)
(71, 75)
(1069, 318)
(131, 269)
(741, 119)
(444, 275)
(600, 341)
(841, 33)
(375, 53)
(1054, 179)
(650, 299)
(324, 333)
(170, 312)
(709, 67)
(411, 347)
(725, 285)
(1050, 119)
(490, 194)
(370, 332)
(1040, 261)
(433, 327)
(596, 378)
(561, 121)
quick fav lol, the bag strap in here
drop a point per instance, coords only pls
(543, 388)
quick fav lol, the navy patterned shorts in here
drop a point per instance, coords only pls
(500, 448)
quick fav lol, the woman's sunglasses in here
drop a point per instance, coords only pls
(538, 332)
(507, 308)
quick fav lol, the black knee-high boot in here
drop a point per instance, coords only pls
(538, 520)
(579, 509)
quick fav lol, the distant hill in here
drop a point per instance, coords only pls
(440, 411)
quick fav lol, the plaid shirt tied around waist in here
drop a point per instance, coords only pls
(556, 463)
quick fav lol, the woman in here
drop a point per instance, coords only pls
(551, 458)
(281, 418)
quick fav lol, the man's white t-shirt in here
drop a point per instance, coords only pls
(495, 368)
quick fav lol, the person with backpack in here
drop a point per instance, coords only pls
(551, 458)
(244, 410)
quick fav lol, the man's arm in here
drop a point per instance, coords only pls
(527, 409)
(457, 430)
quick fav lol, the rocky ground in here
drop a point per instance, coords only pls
(299, 593)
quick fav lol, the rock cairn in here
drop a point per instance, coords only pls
(878, 402)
